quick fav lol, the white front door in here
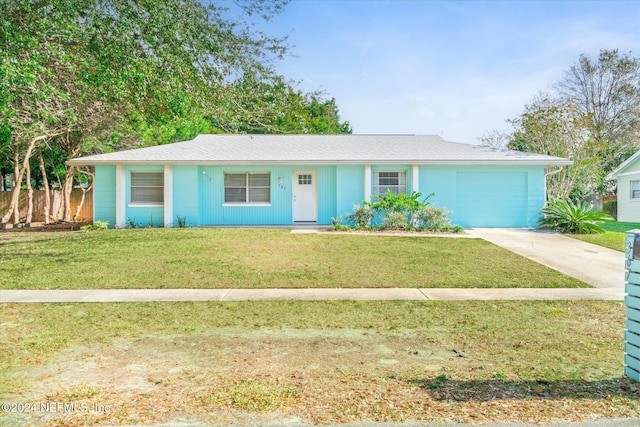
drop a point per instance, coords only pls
(305, 196)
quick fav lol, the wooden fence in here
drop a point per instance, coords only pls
(86, 213)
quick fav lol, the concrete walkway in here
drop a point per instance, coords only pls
(456, 294)
(601, 267)
(598, 266)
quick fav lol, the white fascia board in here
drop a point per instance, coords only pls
(627, 174)
(623, 165)
(325, 162)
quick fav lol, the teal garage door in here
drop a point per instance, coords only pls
(491, 199)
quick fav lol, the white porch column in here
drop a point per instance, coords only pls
(367, 183)
(168, 196)
(121, 196)
(415, 178)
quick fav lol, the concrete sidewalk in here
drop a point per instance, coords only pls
(453, 294)
(598, 266)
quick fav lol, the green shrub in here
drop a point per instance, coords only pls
(395, 220)
(407, 204)
(434, 219)
(567, 216)
(337, 223)
(610, 207)
(361, 216)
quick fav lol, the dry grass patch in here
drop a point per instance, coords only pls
(317, 362)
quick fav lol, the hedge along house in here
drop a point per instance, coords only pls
(310, 179)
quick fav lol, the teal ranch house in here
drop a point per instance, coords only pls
(310, 179)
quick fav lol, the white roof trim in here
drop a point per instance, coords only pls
(623, 165)
(321, 163)
(628, 174)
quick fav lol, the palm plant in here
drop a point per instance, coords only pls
(567, 216)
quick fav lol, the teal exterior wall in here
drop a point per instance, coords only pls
(478, 196)
(349, 189)
(487, 196)
(213, 211)
(143, 216)
(327, 183)
(104, 195)
(185, 194)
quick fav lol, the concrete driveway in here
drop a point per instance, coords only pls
(598, 266)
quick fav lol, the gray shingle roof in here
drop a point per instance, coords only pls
(318, 149)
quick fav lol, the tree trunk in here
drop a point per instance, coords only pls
(29, 196)
(67, 186)
(79, 207)
(19, 175)
(47, 192)
(15, 195)
(84, 194)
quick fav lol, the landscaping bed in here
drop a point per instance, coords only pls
(42, 227)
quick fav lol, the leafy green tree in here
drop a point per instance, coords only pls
(82, 74)
(606, 90)
(275, 107)
(592, 118)
(557, 129)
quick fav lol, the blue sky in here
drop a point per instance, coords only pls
(453, 68)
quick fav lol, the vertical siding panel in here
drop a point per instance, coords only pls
(536, 198)
(442, 181)
(185, 194)
(349, 188)
(326, 193)
(104, 193)
(210, 195)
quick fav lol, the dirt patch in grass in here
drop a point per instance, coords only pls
(314, 376)
(315, 362)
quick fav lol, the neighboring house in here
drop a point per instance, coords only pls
(628, 177)
(310, 179)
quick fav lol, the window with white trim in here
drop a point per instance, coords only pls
(147, 187)
(394, 181)
(247, 187)
(635, 189)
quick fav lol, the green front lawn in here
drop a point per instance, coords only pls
(613, 237)
(259, 258)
